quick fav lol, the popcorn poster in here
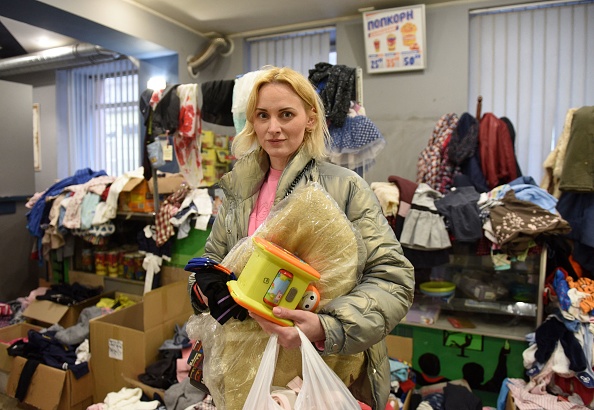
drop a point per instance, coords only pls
(395, 39)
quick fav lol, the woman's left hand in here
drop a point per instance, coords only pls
(308, 322)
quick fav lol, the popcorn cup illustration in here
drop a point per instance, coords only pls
(391, 40)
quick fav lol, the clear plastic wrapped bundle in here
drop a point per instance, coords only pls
(309, 224)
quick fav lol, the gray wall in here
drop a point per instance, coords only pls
(405, 106)
(16, 184)
(16, 142)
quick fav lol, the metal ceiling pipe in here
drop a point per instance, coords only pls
(222, 45)
(56, 58)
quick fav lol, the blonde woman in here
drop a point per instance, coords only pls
(281, 147)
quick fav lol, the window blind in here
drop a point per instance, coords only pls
(299, 50)
(532, 64)
(102, 117)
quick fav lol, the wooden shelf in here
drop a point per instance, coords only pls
(136, 215)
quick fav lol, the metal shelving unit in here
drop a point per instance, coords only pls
(502, 318)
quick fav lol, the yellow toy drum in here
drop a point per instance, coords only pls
(273, 277)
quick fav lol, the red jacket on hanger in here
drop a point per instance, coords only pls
(498, 160)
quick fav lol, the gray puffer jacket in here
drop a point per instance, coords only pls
(353, 323)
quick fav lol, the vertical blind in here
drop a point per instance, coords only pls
(102, 117)
(299, 50)
(532, 64)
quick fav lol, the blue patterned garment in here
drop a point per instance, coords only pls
(356, 144)
(356, 133)
(561, 288)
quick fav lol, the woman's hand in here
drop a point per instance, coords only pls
(308, 322)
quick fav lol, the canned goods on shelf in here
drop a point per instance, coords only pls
(140, 273)
(129, 265)
(112, 263)
(101, 263)
(87, 260)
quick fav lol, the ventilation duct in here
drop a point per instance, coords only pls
(220, 45)
(56, 58)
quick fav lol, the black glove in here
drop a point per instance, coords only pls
(212, 281)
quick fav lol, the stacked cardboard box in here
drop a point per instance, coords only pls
(137, 194)
(400, 348)
(216, 156)
(46, 313)
(9, 334)
(124, 343)
(50, 388)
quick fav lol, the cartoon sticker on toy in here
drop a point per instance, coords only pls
(278, 287)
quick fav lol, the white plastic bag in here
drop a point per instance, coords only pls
(321, 390)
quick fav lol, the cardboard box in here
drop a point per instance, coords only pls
(509, 403)
(46, 313)
(9, 334)
(167, 183)
(125, 342)
(51, 388)
(3, 382)
(109, 284)
(172, 274)
(406, 404)
(135, 196)
(400, 348)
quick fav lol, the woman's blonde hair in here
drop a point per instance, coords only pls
(315, 140)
